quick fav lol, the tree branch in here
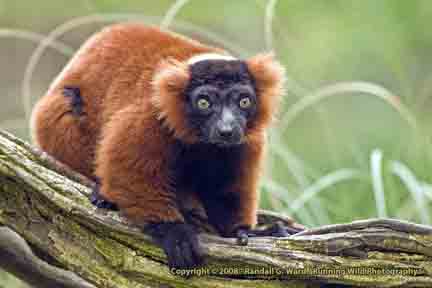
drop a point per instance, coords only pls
(73, 244)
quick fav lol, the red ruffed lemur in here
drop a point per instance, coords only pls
(165, 125)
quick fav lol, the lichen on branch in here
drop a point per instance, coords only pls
(48, 221)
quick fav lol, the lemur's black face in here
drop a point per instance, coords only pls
(221, 99)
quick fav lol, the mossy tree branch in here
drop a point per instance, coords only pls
(44, 205)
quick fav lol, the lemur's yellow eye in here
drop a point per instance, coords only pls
(245, 102)
(203, 104)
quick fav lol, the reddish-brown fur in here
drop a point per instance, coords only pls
(131, 77)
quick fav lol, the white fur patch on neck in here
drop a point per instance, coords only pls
(209, 56)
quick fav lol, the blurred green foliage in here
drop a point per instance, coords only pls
(384, 43)
(8, 281)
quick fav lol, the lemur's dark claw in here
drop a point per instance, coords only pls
(280, 230)
(97, 200)
(242, 236)
(276, 230)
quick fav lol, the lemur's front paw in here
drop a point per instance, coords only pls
(179, 242)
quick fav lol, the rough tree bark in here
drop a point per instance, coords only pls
(51, 236)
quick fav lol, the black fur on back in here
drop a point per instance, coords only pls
(75, 99)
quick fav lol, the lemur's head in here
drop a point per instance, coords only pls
(218, 99)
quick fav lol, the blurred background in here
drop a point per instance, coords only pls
(353, 139)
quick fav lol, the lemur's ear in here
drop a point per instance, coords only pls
(169, 83)
(269, 76)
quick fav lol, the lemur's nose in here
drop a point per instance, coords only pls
(226, 131)
(225, 125)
